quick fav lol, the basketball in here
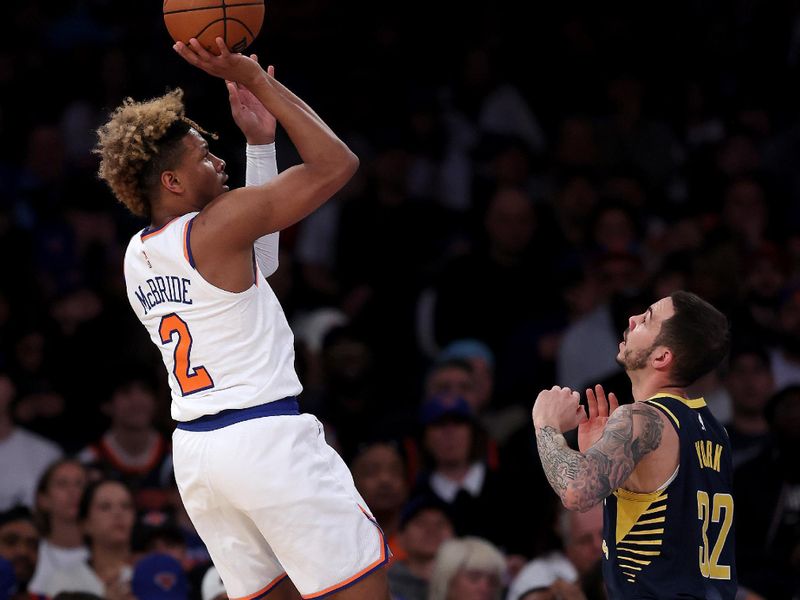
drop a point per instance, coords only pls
(235, 21)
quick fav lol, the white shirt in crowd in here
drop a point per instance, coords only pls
(23, 458)
(52, 559)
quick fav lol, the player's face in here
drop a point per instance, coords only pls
(203, 173)
(640, 336)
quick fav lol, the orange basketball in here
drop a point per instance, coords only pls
(235, 21)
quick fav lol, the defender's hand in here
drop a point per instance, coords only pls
(250, 115)
(600, 409)
(559, 408)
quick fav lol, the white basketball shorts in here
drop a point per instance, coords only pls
(271, 499)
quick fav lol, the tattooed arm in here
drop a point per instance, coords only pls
(583, 480)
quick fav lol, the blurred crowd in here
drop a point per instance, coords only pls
(531, 176)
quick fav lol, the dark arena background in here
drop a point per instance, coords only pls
(531, 175)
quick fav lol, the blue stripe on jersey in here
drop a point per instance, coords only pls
(188, 243)
(285, 406)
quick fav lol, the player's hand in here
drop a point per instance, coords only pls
(600, 409)
(233, 67)
(252, 117)
(559, 408)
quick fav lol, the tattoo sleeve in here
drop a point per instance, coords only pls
(583, 480)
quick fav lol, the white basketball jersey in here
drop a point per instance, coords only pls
(222, 350)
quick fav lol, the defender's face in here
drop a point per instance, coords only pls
(203, 173)
(641, 334)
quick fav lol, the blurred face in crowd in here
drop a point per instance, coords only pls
(614, 230)
(380, 478)
(19, 544)
(133, 407)
(510, 221)
(110, 518)
(62, 495)
(472, 584)
(451, 381)
(745, 210)
(425, 532)
(449, 441)
(583, 545)
(749, 383)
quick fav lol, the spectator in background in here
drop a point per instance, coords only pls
(132, 450)
(58, 497)
(379, 472)
(750, 384)
(212, 587)
(106, 515)
(8, 581)
(785, 358)
(499, 423)
(159, 577)
(424, 527)
(582, 536)
(767, 492)
(468, 568)
(494, 280)
(19, 545)
(23, 455)
(481, 501)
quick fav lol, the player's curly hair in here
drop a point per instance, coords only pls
(139, 142)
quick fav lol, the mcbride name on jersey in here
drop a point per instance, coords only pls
(223, 350)
(677, 542)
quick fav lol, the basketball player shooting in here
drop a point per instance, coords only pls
(661, 466)
(274, 504)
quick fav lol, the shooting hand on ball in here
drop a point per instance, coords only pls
(249, 114)
(232, 67)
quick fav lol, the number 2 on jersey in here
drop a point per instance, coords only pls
(190, 380)
(709, 565)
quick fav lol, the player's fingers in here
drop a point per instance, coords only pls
(233, 93)
(186, 53)
(591, 403)
(271, 71)
(580, 415)
(602, 402)
(613, 403)
(254, 57)
(223, 48)
(198, 49)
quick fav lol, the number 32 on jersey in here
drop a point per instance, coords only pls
(190, 380)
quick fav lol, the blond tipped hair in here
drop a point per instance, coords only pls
(133, 150)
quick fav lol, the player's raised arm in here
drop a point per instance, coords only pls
(584, 479)
(236, 219)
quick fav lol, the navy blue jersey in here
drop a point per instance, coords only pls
(677, 542)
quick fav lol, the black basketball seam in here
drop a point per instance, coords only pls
(243, 24)
(222, 6)
(224, 23)
(202, 31)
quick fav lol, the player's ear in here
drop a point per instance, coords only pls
(171, 182)
(661, 358)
